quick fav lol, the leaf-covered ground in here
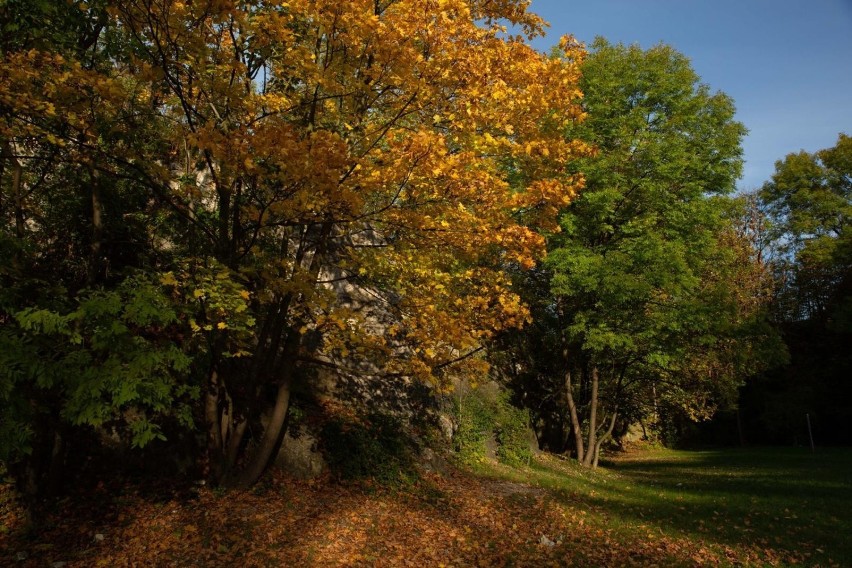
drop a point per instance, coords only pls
(660, 508)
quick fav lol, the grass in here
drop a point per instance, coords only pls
(783, 505)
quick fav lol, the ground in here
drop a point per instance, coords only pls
(644, 508)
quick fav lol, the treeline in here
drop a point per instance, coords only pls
(806, 210)
(203, 201)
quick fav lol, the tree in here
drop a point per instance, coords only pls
(809, 204)
(275, 150)
(635, 297)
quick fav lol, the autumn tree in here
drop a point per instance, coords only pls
(263, 153)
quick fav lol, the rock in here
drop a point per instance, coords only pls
(448, 428)
(546, 541)
(532, 441)
(432, 461)
(99, 537)
(635, 433)
(300, 456)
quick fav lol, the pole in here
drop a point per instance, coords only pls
(740, 429)
(810, 434)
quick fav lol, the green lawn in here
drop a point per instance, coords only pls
(774, 505)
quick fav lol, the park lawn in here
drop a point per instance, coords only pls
(653, 507)
(754, 505)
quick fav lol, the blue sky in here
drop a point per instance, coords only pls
(786, 63)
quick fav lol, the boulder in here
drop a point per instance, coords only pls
(300, 456)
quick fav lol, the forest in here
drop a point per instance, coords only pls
(390, 229)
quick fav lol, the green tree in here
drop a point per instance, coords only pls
(635, 300)
(809, 203)
(809, 199)
(86, 337)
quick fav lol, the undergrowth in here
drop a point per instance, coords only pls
(485, 417)
(376, 448)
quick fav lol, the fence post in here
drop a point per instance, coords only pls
(810, 434)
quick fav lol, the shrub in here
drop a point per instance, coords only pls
(475, 419)
(376, 448)
(512, 429)
(483, 414)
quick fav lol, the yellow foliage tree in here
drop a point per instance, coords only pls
(413, 148)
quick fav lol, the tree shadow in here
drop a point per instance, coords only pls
(784, 500)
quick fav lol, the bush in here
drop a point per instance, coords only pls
(513, 433)
(376, 448)
(475, 420)
(484, 414)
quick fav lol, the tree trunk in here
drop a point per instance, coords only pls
(214, 427)
(740, 428)
(263, 455)
(225, 431)
(95, 264)
(575, 421)
(593, 420)
(17, 187)
(604, 438)
(39, 475)
(235, 442)
(271, 439)
(3, 159)
(656, 408)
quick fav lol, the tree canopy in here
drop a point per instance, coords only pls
(809, 200)
(808, 206)
(188, 188)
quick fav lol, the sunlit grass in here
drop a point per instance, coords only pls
(769, 502)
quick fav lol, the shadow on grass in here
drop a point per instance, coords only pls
(781, 499)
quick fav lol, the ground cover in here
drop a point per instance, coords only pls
(773, 506)
(749, 507)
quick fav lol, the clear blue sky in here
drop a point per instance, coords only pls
(786, 63)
